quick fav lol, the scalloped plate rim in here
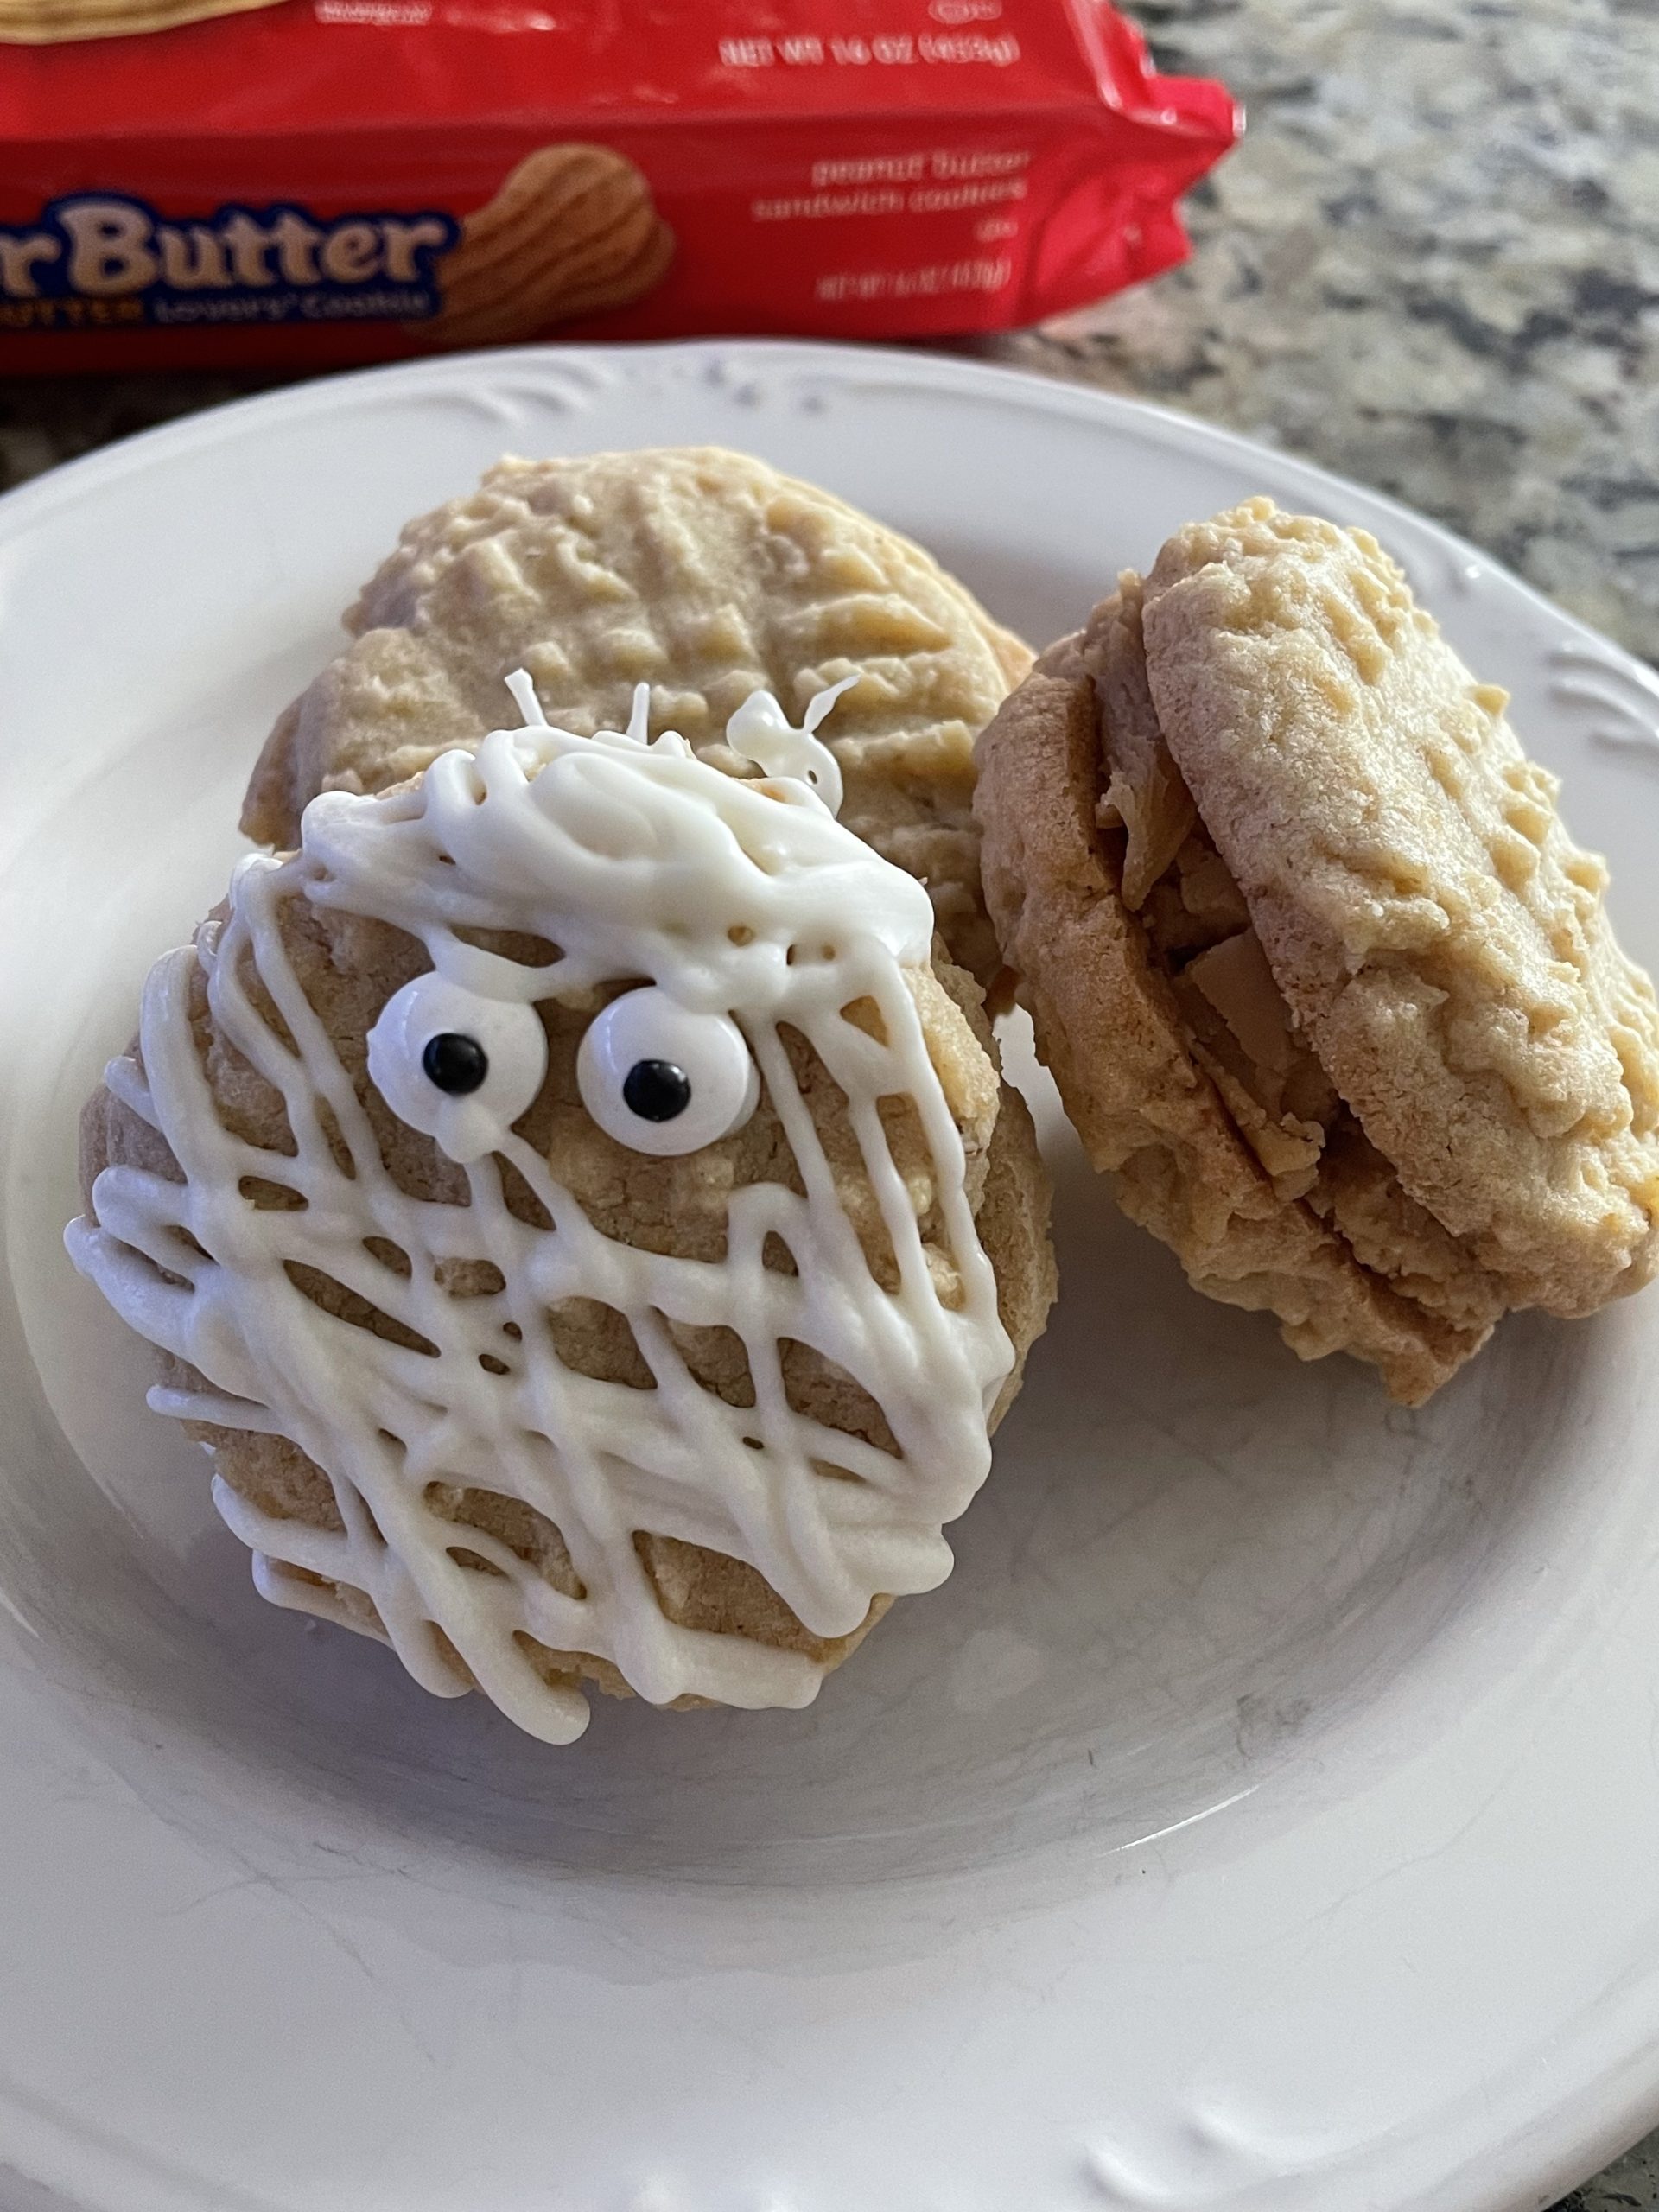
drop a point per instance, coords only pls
(1611, 2102)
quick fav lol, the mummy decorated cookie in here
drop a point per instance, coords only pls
(1325, 983)
(580, 1217)
(704, 574)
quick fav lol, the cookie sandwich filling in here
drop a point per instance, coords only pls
(1237, 1026)
(709, 931)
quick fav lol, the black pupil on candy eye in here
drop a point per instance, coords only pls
(455, 1062)
(655, 1090)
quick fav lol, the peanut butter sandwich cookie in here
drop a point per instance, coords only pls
(49, 23)
(581, 1217)
(1324, 982)
(705, 575)
(572, 232)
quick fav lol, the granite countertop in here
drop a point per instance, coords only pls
(1433, 265)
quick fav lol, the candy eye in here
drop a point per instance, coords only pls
(460, 1067)
(456, 1064)
(655, 1090)
(661, 1078)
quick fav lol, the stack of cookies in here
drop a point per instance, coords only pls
(570, 1185)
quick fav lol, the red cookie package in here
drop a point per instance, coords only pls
(204, 182)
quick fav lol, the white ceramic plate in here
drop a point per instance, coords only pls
(1266, 1815)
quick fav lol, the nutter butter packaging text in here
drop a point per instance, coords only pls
(341, 181)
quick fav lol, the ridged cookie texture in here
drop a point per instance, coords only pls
(706, 574)
(573, 231)
(1323, 980)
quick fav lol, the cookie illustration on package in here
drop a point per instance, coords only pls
(572, 232)
(1325, 983)
(49, 23)
(581, 1216)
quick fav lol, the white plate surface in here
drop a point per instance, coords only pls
(1264, 1818)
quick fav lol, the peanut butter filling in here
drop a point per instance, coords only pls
(1239, 1029)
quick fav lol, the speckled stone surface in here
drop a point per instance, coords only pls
(1631, 2184)
(1433, 265)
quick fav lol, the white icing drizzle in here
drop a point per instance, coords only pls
(760, 731)
(636, 860)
